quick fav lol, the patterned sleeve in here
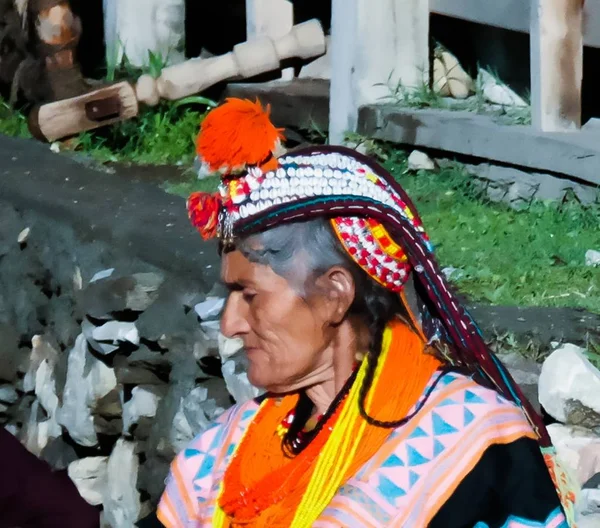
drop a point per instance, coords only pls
(190, 478)
(178, 507)
(510, 487)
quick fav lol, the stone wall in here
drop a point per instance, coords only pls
(108, 365)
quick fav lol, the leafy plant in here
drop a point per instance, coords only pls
(12, 121)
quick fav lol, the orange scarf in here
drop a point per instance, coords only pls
(277, 483)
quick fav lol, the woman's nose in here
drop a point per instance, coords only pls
(234, 323)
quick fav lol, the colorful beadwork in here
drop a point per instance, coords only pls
(300, 177)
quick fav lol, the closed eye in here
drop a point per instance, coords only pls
(248, 296)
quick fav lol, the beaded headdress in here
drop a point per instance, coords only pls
(371, 215)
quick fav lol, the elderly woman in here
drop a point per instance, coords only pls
(383, 407)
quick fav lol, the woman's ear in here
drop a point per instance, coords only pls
(337, 289)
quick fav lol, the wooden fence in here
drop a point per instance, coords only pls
(378, 43)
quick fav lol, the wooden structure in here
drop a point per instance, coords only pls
(375, 45)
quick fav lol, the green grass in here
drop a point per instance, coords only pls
(158, 136)
(12, 122)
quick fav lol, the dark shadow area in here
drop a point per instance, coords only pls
(91, 50)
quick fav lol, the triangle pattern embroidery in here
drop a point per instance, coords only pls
(413, 478)
(447, 401)
(441, 427)
(471, 397)
(438, 447)
(393, 461)
(389, 490)
(469, 416)
(414, 457)
(206, 467)
(418, 433)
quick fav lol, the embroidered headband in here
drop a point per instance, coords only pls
(370, 213)
(265, 183)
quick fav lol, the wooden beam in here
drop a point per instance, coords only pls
(375, 47)
(481, 136)
(506, 14)
(511, 14)
(270, 18)
(556, 64)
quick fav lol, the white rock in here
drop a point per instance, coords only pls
(87, 329)
(90, 475)
(210, 308)
(77, 279)
(452, 273)
(143, 403)
(122, 500)
(13, 429)
(103, 274)
(45, 391)
(115, 331)
(36, 434)
(8, 394)
(88, 380)
(567, 376)
(589, 521)
(41, 350)
(211, 329)
(420, 161)
(181, 432)
(229, 347)
(199, 410)
(195, 414)
(592, 258)
(23, 235)
(497, 93)
(589, 502)
(237, 383)
(578, 449)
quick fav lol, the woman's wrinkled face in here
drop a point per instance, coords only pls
(286, 336)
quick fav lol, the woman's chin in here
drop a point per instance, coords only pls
(265, 382)
(258, 378)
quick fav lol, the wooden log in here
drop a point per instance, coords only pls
(556, 64)
(375, 47)
(272, 19)
(69, 117)
(247, 60)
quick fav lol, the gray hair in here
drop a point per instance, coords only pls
(301, 251)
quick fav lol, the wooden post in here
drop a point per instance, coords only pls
(556, 64)
(375, 47)
(270, 18)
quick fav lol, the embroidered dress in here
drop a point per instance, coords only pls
(473, 451)
(468, 458)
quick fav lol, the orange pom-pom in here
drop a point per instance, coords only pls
(237, 134)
